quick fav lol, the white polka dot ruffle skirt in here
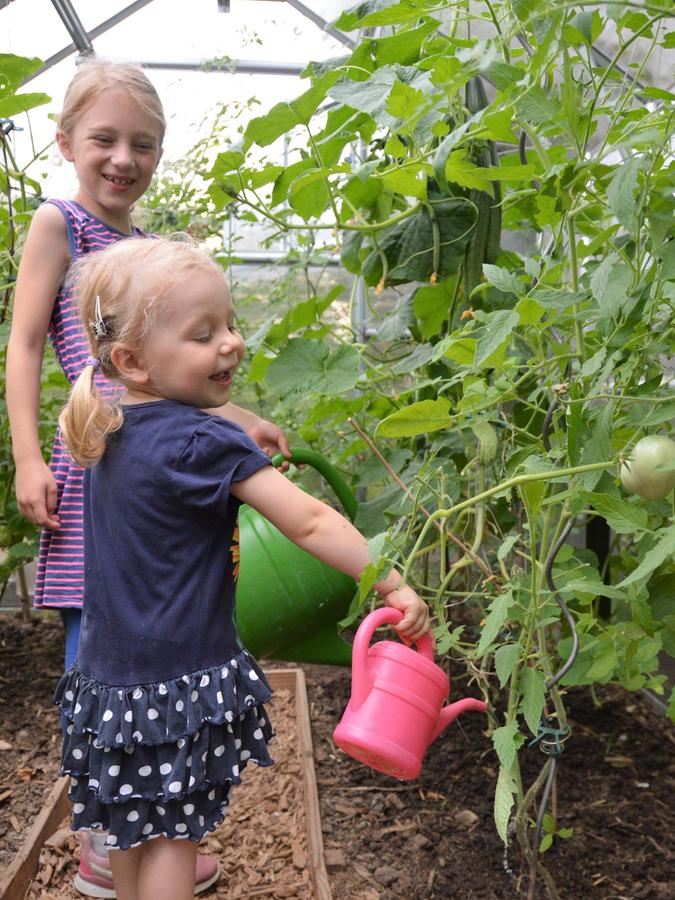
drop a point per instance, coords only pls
(161, 759)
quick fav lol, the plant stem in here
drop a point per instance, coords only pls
(497, 489)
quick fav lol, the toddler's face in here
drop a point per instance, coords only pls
(193, 348)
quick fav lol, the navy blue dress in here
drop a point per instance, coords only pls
(165, 706)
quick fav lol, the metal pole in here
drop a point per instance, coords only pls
(231, 67)
(72, 22)
(94, 33)
(322, 23)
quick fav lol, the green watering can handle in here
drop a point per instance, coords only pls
(300, 456)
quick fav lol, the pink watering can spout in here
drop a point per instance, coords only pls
(449, 713)
(396, 708)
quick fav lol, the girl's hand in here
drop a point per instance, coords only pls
(270, 438)
(36, 494)
(415, 622)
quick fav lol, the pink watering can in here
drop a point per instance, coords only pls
(396, 709)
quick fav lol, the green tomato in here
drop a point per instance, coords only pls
(639, 473)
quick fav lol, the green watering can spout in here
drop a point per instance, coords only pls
(288, 602)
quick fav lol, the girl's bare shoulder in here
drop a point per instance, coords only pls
(48, 234)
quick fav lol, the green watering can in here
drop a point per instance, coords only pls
(288, 602)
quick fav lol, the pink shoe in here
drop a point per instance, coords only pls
(94, 878)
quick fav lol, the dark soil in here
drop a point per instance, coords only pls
(432, 838)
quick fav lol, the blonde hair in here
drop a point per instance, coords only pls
(94, 77)
(121, 290)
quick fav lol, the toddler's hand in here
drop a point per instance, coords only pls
(36, 494)
(415, 622)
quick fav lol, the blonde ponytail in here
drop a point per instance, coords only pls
(87, 419)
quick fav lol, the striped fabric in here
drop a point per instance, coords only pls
(60, 568)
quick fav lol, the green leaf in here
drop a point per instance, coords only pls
(621, 193)
(598, 445)
(664, 549)
(641, 613)
(459, 170)
(308, 194)
(487, 439)
(552, 298)
(533, 492)
(283, 117)
(286, 179)
(405, 181)
(538, 107)
(420, 356)
(671, 706)
(264, 130)
(591, 584)
(430, 305)
(379, 12)
(443, 153)
(503, 75)
(309, 366)
(229, 161)
(350, 252)
(506, 659)
(545, 843)
(504, 793)
(403, 47)
(504, 740)
(301, 315)
(499, 610)
(523, 9)
(371, 96)
(668, 264)
(496, 331)
(533, 690)
(408, 246)
(20, 103)
(418, 418)
(604, 662)
(594, 363)
(503, 280)
(623, 517)
(404, 101)
(507, 546)
(395, 147)
(14, 70)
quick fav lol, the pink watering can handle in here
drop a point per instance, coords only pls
(385, 615)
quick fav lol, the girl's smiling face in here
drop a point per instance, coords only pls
(115, 147)
(193, 348)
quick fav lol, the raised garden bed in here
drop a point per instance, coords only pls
(270, 843)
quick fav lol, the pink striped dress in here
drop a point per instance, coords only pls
(60, 568)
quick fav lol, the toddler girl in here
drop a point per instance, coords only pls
(165, 706)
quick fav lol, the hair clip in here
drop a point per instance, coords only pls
(98, 325)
